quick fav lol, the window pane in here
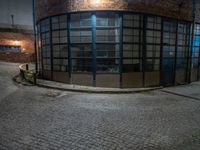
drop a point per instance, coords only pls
(196, 46)
(81, 54)
(107, 19)
(153, 46)
(59, 43)
(132, 42)
(107, 33)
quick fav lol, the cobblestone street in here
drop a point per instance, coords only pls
(33, 118)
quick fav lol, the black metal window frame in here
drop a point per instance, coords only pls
(196, 47)
(47, 45)
(107, 42)
(132, 42)
(81, 42)
(153, 43)
(183, 45)
(59, 43)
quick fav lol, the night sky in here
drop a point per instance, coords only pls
(21, 9)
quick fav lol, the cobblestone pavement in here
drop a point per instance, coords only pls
(33, 118)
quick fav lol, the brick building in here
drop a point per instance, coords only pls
(16, 36)
(119, 43)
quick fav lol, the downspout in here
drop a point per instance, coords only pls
(35, 36)
(192, 38)
(194, 9)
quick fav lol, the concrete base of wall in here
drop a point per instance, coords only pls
(152, 79)
(46, 74)
(129, 80)
(61, 77)
(82, 79)
(132, 80)
(108, 80)
(180, 76)
(194, 73)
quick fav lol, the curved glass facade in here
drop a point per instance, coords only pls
(118, 49)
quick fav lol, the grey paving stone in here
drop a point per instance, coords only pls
(33, 118)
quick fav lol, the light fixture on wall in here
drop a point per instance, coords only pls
(95, 2)
(16, 43)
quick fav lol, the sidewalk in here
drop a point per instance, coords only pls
(87, 89)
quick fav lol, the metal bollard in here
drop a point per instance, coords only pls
(34, 78)
(27, 68)
(22, 74)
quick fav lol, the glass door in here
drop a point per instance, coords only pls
(168, 53)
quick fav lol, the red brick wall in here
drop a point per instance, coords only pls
(197, 11)
(25, 40)
(180, 9)
(17, 57)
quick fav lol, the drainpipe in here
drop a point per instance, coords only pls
(35, 36)
(192, 38)
(193, 9)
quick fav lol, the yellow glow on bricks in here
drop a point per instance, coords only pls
(95, 2)
(16, 43)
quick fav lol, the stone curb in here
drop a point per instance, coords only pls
(99, 91)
